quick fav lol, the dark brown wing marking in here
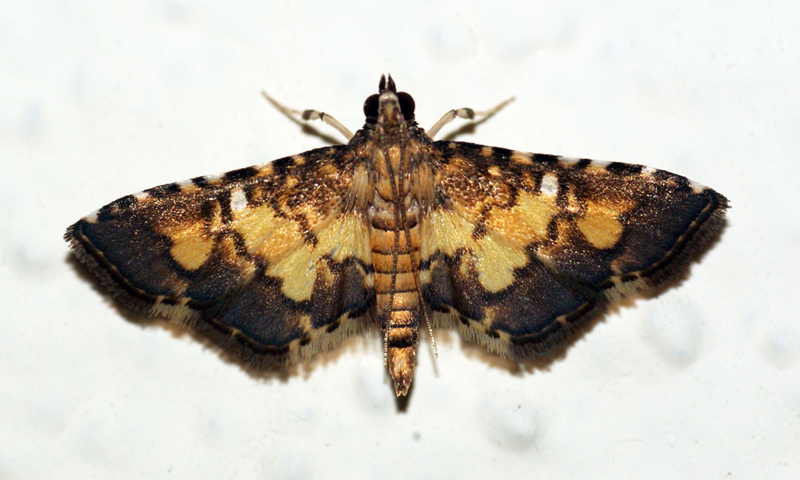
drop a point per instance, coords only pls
(269, 261)
(523, 249)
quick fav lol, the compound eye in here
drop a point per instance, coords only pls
(406, 105)
(371, 108)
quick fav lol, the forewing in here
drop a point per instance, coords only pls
(269, 261)
(523, 249)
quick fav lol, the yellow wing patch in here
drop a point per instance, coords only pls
(493, 259)
(191, 246)
(526, 222)
(495, 263)
(346, 236)
(445, 231)
(600, 223)
(266, 234)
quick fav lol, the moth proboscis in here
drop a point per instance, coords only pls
(518, 250)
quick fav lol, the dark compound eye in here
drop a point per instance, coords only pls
(406, 105)
(371, 108)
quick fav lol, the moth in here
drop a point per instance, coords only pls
(394, 230)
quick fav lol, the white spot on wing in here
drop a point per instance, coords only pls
(549, 185)
(649, 171)
(92, 217)
(141, 196)
(238, 200)
(214, 178)
(568, 160)
(187, 185)
(522, 157)
(696, 187)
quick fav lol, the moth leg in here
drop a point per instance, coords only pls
(465, 113)
(308, 115)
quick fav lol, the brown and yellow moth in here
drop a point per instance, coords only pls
(277, 261)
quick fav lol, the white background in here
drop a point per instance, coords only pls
(99, 99)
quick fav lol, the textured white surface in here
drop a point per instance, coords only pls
(101, 99)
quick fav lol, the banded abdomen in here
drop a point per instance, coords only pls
(395, 239)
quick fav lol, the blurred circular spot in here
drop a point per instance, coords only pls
(782, 348)
(509, 422)
(674, 331)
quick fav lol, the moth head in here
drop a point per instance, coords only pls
(387, 100)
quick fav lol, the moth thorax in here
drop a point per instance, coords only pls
(387, 191)
(382, 212)
(391, 166)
